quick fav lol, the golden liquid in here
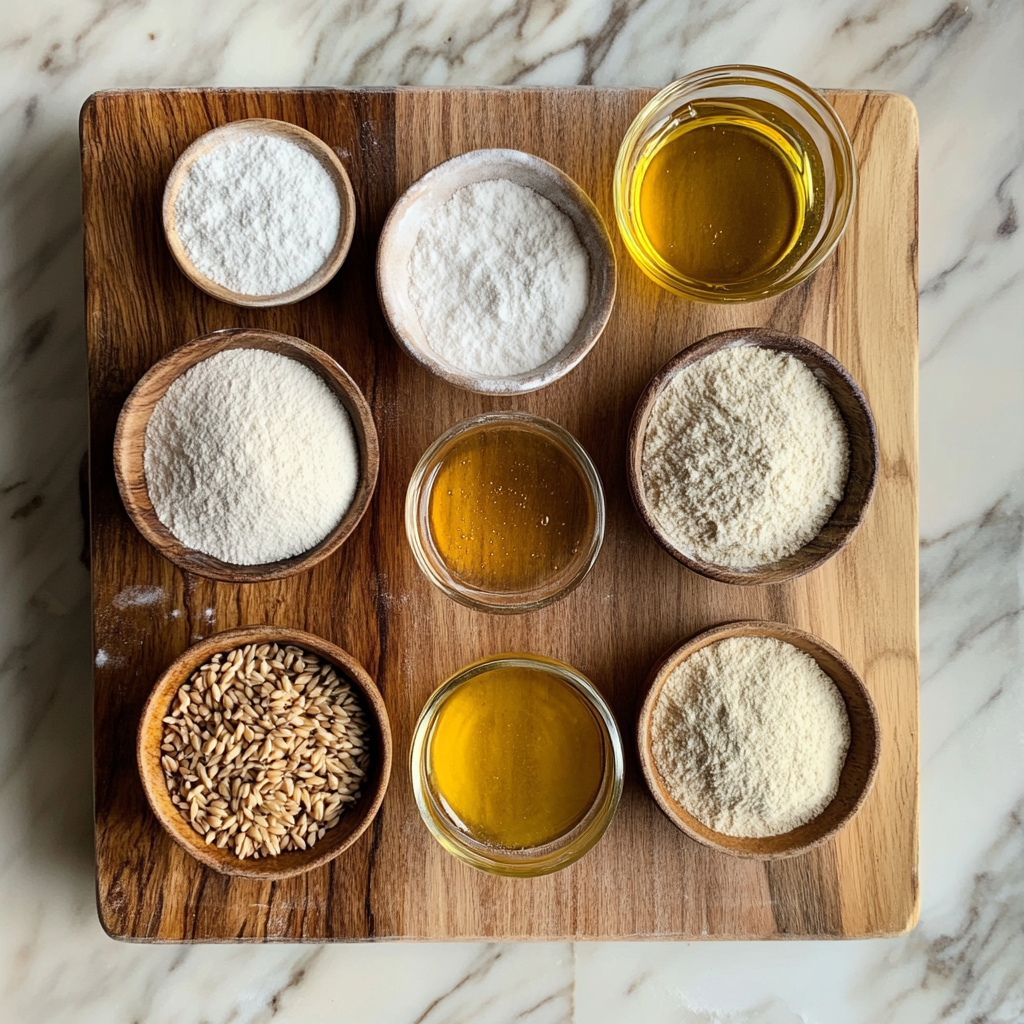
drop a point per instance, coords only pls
(516, 756)
(727, 197)
(508, 508)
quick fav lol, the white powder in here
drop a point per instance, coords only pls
(138, 597)
(258, 215)
(250, 457)
(745, 457)
(499, 279)
(750, 736)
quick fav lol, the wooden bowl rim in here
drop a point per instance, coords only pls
(797, 564)
(677, 814)
(129, 469)
(151, 771)
(314, 145)
(579, 207)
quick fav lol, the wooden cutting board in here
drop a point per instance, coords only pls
(644, 879)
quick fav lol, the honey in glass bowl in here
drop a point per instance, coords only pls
(517, 765)
(505, 512)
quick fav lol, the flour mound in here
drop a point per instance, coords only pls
(259, 215)
(750, 736)
(499, 279)
(745, 458)
(250, 457)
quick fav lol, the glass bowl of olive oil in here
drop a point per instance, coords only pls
(517, 765)
(734, 184)
(505, 512)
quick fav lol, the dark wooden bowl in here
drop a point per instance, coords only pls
(130, 442)
(860, 429)
(336, 840)
(855, 780)
(319, 150)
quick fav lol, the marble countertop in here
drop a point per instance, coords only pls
(963, 65)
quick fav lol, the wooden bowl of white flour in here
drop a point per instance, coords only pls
(246, 455)
(496, 272)
(259, 213)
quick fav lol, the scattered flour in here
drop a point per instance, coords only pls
(745, 457)
(250, 457)
(258, 215)
(138, 597)
(750, 736)
(499, 279)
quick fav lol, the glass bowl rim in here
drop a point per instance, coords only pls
(763, 78)
(561, 852)
(481, 600)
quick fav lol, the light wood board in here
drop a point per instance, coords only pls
(644, 879)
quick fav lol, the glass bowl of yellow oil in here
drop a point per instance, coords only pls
(734, 184)
(517, 765)
(505, 512)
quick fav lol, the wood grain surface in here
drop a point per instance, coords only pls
(645, 879)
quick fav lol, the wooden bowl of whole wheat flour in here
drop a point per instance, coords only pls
(857, 774)
(309, 231)
(352, 823)
(418, 208)
(856, 420)
(130, 446)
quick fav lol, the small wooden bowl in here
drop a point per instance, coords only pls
(130, 444)
(855, 780)
(860, 429)
(433, 190)
(311, 144)
(354, 821)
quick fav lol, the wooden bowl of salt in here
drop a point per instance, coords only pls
(253, 130)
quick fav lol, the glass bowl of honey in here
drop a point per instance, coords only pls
(517, 765)
(505, 512)
(734, 184)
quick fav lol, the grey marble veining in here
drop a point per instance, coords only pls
(962, 65)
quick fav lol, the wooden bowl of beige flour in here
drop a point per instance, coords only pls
(752, 456)
(791, 739)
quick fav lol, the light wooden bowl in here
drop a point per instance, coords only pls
(354, 821)
(858, 772)
(860, 429)
(130, 443)
(316, 147)
(434, 189)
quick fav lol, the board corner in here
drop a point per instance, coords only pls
(114, 930)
